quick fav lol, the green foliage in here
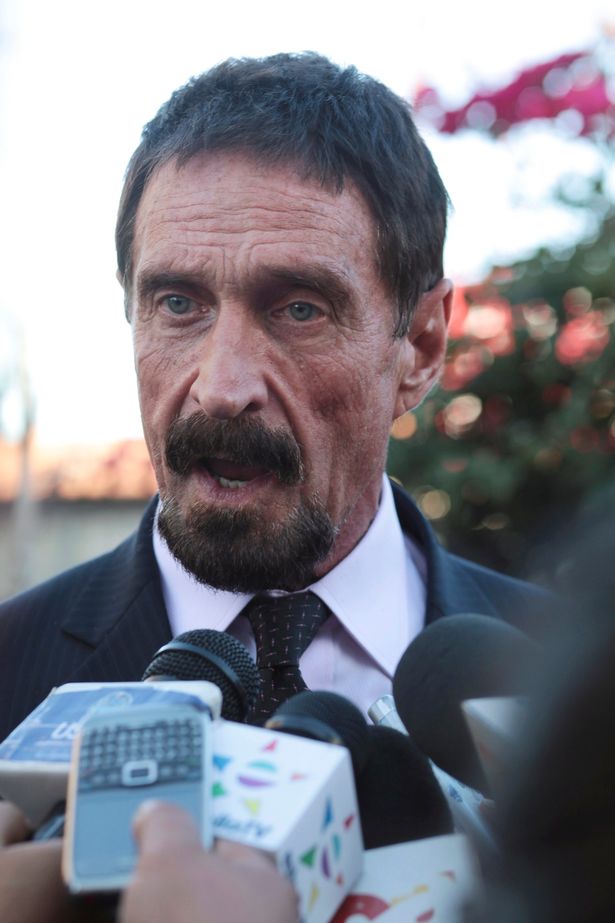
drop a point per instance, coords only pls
(520, 436)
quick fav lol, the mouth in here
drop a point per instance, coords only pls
(231, 475)
(233, 454)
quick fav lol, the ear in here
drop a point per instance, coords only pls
(424, 347)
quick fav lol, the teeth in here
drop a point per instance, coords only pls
(225, 482)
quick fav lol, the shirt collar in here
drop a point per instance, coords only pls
(377, 592)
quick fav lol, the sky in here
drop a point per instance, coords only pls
(78, 81)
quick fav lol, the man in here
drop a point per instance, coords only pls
(279, 242)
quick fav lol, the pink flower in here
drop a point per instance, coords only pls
(462, 367)
(569, 82)
(492, 323)
(459, 312)
(582, 339)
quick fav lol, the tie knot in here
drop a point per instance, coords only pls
(284, 626)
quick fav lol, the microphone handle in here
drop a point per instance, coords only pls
(464, 802)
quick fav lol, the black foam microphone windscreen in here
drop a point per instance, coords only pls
(215, 656)
(324, 716)
(399, 797)
(456, 658)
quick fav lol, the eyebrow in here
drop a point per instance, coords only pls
(151, 282)
(327, 282)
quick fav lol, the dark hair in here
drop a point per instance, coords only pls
(333, 124)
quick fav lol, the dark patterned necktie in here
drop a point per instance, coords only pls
(283, 627)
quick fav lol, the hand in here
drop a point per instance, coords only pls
(31, 887)
(178, 881)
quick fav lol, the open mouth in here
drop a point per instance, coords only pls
(230, 474)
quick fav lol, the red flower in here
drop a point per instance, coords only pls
(492, 324)
(570, 81)
(459, 312)
(462, 367)
(582, 339)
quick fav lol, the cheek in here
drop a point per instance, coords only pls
(162, 383)
(354, 403)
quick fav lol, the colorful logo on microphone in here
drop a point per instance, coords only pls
(260, 784)
(324, 856)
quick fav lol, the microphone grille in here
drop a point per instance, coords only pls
(214, 656)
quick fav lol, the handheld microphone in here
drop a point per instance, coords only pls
(456, 658)
(556, 814)
(399, 797)
(214, 656)
(293, 796)
(464, 803)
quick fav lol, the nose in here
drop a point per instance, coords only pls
(231, 376)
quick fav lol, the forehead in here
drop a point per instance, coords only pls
(230, 201)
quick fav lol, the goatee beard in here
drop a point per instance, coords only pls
(239, 549)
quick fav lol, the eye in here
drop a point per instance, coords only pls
(178, 304)
(303, 310)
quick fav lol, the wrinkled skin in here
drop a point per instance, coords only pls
(256, 294)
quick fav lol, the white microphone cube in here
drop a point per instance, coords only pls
(294, 799)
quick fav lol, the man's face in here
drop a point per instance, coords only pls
(268, 373)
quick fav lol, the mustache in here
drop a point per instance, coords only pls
(244, 441)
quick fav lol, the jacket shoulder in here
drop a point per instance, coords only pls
(526, 606)
(458, 586)
(56, 592)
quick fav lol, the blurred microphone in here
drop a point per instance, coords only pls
(399, 798)
(213, 656)
(456, 658)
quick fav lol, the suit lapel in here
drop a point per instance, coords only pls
(451, 586)
(119, 610)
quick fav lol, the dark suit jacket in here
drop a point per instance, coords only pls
(103, 620)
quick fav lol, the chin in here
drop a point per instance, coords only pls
(237, 549)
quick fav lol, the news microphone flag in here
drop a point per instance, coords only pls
(294, 799)
(425, 881)
(35, 757)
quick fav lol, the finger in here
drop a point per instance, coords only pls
(13, 825)
(31, 886)
(239, 852)
(161, 827)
